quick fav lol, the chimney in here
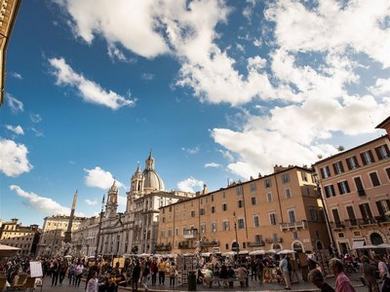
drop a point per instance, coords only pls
(205, 190)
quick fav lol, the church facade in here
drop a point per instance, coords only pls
(134, 231)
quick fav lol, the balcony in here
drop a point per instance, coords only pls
(274, 240)
(384, 219)
(337, 225)
(256, 243)
(351, 223)
(186, 244)
(190, 233)
(367, 221)
(293, 226)
(163, 247)
(211, 243)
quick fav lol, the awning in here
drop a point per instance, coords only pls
(356, 244)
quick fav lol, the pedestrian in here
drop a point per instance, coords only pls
(294, 271)
(283, 266)
(154, 271)
(343, 284)
(78, 273)
(383, 274)
(316, 277)
(172, 275)
(135, 276)
(145, 275)
(93, 283)
(242, 274)
(369, 274)
(54, 273)
(63, 270)
(161, 272)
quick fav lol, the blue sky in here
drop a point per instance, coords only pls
(218, 90)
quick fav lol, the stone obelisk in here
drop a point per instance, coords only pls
(68, 233)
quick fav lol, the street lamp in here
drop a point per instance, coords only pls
(237, 246)
(321, 204)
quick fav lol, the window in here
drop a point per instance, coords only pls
(252, 187)
(388, 172)
(351, 215)
(343, 187)
(224, 207)
(240, 204)
(338, 167)
(325, 172)
(359, 186)
(201, 211)
(336, 216)
(269, 197)
(288, 193)
(382, 152)
(367, 157)
(192, 213)
(365, 210)
(291, 216)
(213, 227)
(203, 228)
(256, 221)
(374, 179)
(313, 214)
(212, 198)
(329, 191)
(253, 200)
(304, 176)
(212, 209)
(383, 207)
(285, 178)
(239, 190)
(295, 235)
(272, 218)
(163, 219)
(241, 223)
(352, 163)
(169, 233)
(258, 238)
(267, 183)
(227, 245)
(225, 225)
(177, 231)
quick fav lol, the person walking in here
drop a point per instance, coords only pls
(78, 273)
(316, 277)
(383, 274)
(145, 275)
(135, 276)
(343, 283)
(154, 271)
(55, 268)
(93, 283)
(161, 272)
(369, 274)
(63, 270)
(283, 266)
(172, 275)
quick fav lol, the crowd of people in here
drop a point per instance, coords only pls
(213, 271)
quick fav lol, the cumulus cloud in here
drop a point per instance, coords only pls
(13, 158)
(16, 75)
(190, 184)
(18, 130)
(212, 165)
(44, 205)
(100, 178)
(15, 104)
(90, 91)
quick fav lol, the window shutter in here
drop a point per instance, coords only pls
(341, 166)
(347, 185)
(335, 168)
(322, 173)
(356, 161)
(349, 164)
(371, 155)
(380, 208)
(378, 153)
(340, 189)
(363, 159)
(387, 150)
(333, 191)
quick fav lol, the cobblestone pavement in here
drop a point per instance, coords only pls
(253, 286)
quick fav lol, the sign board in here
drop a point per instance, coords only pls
(36, 270)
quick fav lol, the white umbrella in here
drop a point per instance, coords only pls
(205, 254)
(257, 252)
(228, 253)
(286, 251)
(69, 256)
(271, 251)
(243, 252)
(7, 251)
(384, 245)
(144, 255)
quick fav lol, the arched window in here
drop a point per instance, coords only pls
(376, 238)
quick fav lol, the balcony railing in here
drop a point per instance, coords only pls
(337, 225)
(190, 233)
(209, 243)
(274, 240)
(367, 221)
(294, 225)
(186, 244)
(383, 219)
(256, 243)
(163, 247)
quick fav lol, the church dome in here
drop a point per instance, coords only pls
(152, 181)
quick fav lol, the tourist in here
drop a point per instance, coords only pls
(93, 284)
(161, 272)
(62, 270)
(316, 277)
(145, 274)
(283, 266)
(78, 274)
(135, 276)
(208, 277)
(172, 275)
(55, 268)
(343, 284)
(154, 271)
(242, 274)
(369, 274)
(383, 274)
(231, 275)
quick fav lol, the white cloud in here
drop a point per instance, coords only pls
(89, 90)
(44, 205)
(91, 202)
(381, 87)
(35, 118)
(13, 158)
(37, 133)
(15, 104)
(18, 130)
(16, 75)
(190, 185)
(116, 54)
(212, 165)
(191, 151)
(147, 76)
(100, 178)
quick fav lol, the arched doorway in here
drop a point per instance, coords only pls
(376, 238)
(297, 246)
(276, 246)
